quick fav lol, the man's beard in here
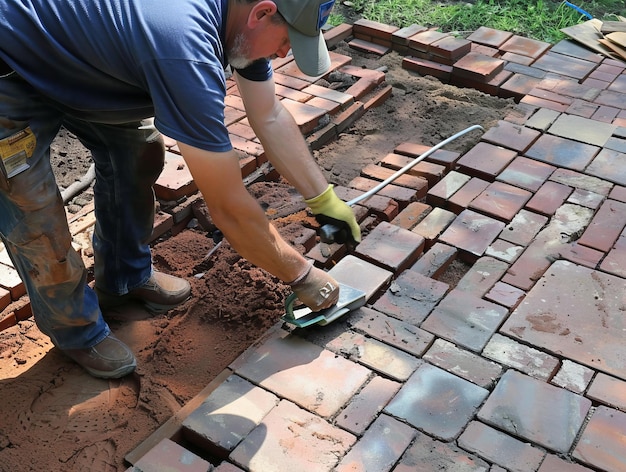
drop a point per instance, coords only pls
(237, 54)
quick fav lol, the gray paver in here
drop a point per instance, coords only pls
(579, 313)
(535, 411)
(437, 402)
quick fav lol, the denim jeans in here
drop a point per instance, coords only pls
(33, 224)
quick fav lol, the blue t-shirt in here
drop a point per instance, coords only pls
(117, 61)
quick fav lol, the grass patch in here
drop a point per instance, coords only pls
(541, 19)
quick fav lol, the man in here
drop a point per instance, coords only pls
(100, 67)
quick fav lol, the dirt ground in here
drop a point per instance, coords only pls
(56, 417)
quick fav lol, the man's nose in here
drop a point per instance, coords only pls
(284, 50)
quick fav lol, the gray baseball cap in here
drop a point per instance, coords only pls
(305, 19)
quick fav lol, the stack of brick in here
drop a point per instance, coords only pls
(496, 62)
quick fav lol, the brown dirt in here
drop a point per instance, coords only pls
(56, 417)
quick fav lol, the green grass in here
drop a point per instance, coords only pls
(540, 19)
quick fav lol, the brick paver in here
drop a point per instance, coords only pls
(517, 366)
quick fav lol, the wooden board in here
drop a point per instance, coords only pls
(617, 49)
(588, 34)
(613, 26)
(617, 38)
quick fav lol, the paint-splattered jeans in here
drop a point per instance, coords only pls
(33, 223)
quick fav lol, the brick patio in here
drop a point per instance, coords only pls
(521, 366)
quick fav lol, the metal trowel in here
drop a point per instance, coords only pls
(349, 299)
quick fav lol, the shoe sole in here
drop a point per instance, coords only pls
(158, 308)
(113, 374)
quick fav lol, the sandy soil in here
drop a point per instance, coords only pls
(56, 417)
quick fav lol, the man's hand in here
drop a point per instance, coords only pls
(316, 289)
(328, 208)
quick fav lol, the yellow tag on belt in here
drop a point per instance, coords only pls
(15, 149)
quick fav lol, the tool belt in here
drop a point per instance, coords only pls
(4, 68)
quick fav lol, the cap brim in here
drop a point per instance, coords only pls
(310, 53)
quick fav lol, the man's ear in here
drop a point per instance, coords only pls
(260, 12)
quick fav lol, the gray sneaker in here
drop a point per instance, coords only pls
(160, 293)
(109, 359)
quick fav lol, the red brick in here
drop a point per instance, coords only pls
(329, 94)
(472, 233)
(436, 261)
(375, 355)
(608, 390)
(533, 362)
(605, 114)
(518, 86)
(513, 58)
(450, 48)
(505, 295)
(391, 247)
(346, 118)
(500, 200)
(544, 103)
(401, 36)
(292, 94)
(582, 255)
(525, 46)
(549, 198)
(500, 448)
(426, 67)
(374, 29)
(388, 436)
(601, 445)
(378, 97)
(605, 227)
(376, 76)
(581, 108)
(489, 36)
(361, 88)
(306, 116)
(438, 195)
(430, 171)
(463, 363)
(376, 172)
(411, 297)
(175, 181)
(485, 160)
(422, 40)
(337, 34)
(555, 464)
(5, 298)
(397, 333)
(369, 47)
(511, 136)
(402, 195)
(526, 173)
(365, 406)
(462, 198)
(504, 250)
(443, 157)
(410, 216)
(433, 225)
(475, 66)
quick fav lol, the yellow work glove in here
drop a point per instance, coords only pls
(316, 289)
(329, 209)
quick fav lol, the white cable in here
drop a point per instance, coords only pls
(411, 164)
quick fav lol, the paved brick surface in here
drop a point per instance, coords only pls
(520, 364)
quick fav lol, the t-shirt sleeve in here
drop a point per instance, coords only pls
(258, 71)
(188, 99)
